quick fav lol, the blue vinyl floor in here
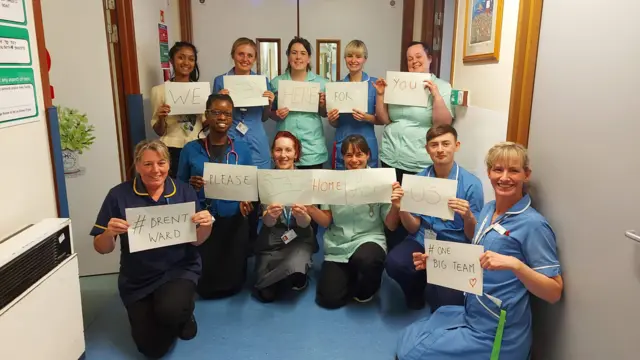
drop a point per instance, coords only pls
(240, 328)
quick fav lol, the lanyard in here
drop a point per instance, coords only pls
(287, 215)
(497, 341)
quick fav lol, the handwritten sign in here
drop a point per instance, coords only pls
(230, 182)
(455, 265)
(346, 96)
(369, 186)
(154, 227)
(285, 187)
(328, 187)
(406, 88)
(299, 95)
(186, 97)
(428, 196)
(246, 90)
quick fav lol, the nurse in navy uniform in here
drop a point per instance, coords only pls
(156, 286)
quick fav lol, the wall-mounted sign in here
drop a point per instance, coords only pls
(18, 102)
(13, 11)
(14, 46)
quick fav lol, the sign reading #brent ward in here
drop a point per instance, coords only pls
(158, 226)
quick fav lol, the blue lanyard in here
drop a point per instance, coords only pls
(287, 216)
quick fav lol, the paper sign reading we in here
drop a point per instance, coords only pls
(230, 182)
(328, 187)
(186, 98)
(300, 96)
(455, 265)
(246, 90)
(428, 196)
(154, 227)
(369, 186)
(346, 96)
(406, 88)
(285, 187)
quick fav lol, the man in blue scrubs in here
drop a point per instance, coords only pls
(442, 144)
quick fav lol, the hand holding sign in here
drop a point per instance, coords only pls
(117, 226)
(494, 261)
(454, 265)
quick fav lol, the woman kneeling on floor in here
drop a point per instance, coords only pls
(157, 286)
(286, 241)
(354, 242)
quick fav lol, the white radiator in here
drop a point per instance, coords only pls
(40, 307)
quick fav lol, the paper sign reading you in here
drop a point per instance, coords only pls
(230, 182)
(428, 196)
(154, 227)
(455, 265)
(246, 90)
(406, 88)
(298, 95)
(346, 96)
(186, 98)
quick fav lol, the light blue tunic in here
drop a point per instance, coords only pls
(456, 332)
(347, 125)
(255, 137)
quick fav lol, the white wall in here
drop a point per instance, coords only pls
(584, 151)
(146, 16)
(82, 80)
(27, 179)
(484, 123)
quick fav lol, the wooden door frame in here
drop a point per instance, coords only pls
(406, 35)
(186, 20)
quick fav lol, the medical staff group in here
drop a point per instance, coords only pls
(158, 286)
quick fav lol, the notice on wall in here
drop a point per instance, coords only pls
(154, 227)
(455, 265)
(18, 103)
(246, 90)
(369, 186)
(13, 11)
(346, 96)
(14, 46)
(230, 182)
(163, 36)
(299, 95)
(406, 88)
(428, 196)
(186, 97)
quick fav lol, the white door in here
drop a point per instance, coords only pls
(585, 153)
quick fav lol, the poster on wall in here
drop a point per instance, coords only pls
(163, 36)
(18, 102)
(14, 46)
(13, 11)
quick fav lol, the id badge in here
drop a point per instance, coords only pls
(429, 234)
(242, 128)
(288, 236)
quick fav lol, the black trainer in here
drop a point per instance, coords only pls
(190, 329)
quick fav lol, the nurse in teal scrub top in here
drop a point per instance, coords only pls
(406, 127)
(306, 126)
(520, 260)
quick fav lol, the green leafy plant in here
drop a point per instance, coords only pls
(75, 131)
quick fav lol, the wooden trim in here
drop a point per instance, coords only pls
(46, 90)
(279, 42)
(338, 55)
(298, 18)
(408, 8)
(127, 39)
(186, 21)
(524, 70)
(455, 38)
(492, 56)
(428, 23)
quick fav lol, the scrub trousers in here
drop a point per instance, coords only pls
(359, 278)
(224, 258)
(174, 159)
(158, 319)
(400, 233)
(282, 268)
(400, 268)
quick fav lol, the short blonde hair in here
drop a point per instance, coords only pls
(243, 41)
(357, 47)
(507, 151)
(155, 145)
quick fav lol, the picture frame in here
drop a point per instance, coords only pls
(328, 59)
(482, 30)
(268, 59)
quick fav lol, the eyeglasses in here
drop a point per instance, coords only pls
(216, 113)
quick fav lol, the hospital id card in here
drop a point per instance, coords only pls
(242, 128)
(429, 234)
(289, 236)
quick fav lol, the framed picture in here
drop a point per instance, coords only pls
(328, 59)
(482, 30)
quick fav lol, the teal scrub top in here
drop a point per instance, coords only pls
(307, 127)
(405, 138)
(352, 226)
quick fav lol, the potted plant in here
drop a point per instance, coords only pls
(75, 136)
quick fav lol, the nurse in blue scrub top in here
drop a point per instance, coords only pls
(224, 255)
(520, 259)
(157, 286)
(361, 121)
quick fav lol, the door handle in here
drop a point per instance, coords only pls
(631, 234)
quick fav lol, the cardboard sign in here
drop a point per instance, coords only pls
(186, 98)
(455, 265)
(285, 187)
(154, 227)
